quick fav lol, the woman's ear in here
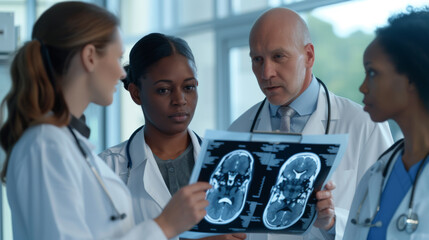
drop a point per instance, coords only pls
(88, 56)
(135, 93)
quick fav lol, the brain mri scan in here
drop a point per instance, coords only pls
(230, 181)
(289, 196)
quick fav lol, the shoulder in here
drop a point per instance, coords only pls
(115, 156)
(44, 136)
(355, 121)
(119, 149)
(350, 112)
(46, 148)
(243, 122)
(346, 105)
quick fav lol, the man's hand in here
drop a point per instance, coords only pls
(325, 207)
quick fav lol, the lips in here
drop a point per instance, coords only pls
(271, 88)
(367, 105)
(179, 117)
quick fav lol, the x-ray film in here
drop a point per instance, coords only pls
(263, 182)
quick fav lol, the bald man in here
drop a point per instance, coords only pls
(282, 59)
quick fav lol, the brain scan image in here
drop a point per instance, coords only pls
(289, 196)
(230, 181)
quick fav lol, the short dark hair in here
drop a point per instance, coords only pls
(149, 50)
(406, 41)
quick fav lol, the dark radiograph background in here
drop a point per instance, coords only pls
(262, 186)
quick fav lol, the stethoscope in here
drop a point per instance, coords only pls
(327, 100)
(49, 69)
(127, 146)
(407, 222)
(117, 215)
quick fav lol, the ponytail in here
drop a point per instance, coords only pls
(36, 95)
(30, 99)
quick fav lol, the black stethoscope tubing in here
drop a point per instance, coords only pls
(405, 217)
(117, 215)
(386, 169)
(127, 147)
(252, 128)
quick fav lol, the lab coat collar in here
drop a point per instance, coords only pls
(376, 178)
(317, 122)
(263, 123)
(153, 182)
(80, 126)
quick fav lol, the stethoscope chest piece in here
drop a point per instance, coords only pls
(408, 222)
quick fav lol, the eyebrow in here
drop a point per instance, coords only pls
(170, 81)
(280, 49)
(365, 64)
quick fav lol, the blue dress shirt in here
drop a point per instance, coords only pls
(304, 105)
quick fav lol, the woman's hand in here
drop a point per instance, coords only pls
(325, 207)
(185, 209)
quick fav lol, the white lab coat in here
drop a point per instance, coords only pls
(372, 182)
(54, 195)
(149, 192)
(366, 141)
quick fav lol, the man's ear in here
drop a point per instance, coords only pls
(135, 93)
(88, 56)
(309, 54)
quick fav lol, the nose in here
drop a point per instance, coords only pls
(268, 70)
(363, 87)
(178, 97)
(123, 74)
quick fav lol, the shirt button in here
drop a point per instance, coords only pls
(171, 169)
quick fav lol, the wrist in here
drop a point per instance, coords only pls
(331, 224)
(165, 227)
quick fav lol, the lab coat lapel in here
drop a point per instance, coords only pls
(263, 123)
(196, 145)
(152, 181)
(374, 181)
(316, 124)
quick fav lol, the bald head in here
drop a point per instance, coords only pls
(282, 55)
(283, 21)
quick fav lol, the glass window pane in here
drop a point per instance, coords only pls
(222, 8)
(6, 218)
(137, 16)
(293, 1)
(131, 113)
(245, 91)
(20, 16)
(195, 11)
(42, 5)
(202, 45)
(94, 119)
(340, 34)
(245, 6)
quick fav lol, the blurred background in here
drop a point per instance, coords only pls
(217, 32)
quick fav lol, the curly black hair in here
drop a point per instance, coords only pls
(406, 41)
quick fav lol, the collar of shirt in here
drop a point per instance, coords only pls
(305, 104)
(80, 126)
